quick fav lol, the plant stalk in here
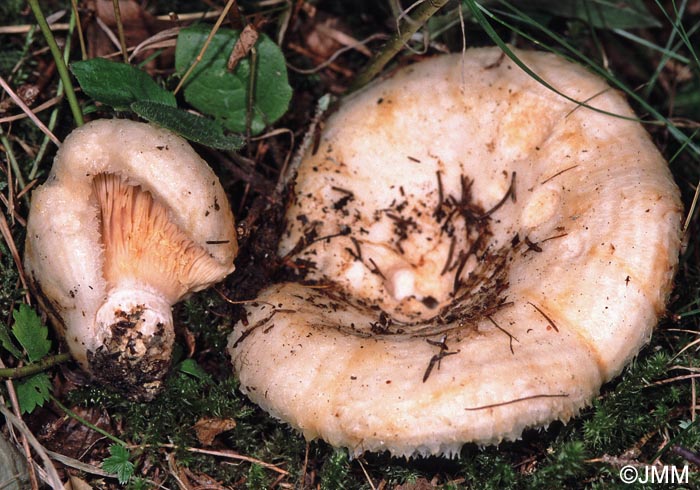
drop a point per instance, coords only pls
(58, 59)
(37, 367)
(86, 423)
(408, 26)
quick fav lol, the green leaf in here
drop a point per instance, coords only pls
(7, 343)
(31, 334)
(602, 14)
(215, 91)
(195, 128)
(190, 366)
(118, 84)
(33, 391)
(118, 463)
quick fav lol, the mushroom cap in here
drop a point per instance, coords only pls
(143, 172)
(481, 254)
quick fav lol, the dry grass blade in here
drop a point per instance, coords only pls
(20, 103)
(329, 61)
(162, 39)
(24, 29)
(41, 107)
(231, 455)
(120, 30)
(52, 478)
(200, 55)
(9, 240)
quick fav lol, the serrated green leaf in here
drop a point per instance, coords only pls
(33, 391)
(215, 91)
(601, 14)
(118, 84)
(30, 333)
(7, 343)
(118, 463)
(195, 128)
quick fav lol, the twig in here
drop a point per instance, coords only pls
(516, 400)
(329, 62)
(14, 402)
(407, 28)
(60, 65)
(229, 455)
(200, 55)
(120, 30)
(686, 454)
(40, 108)
(79, 465)
(28, 370)
(24, 29)
(364, 470)
(81, 37)
(52, 475)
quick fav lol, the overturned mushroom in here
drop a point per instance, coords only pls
(483, 254)
(130, 221)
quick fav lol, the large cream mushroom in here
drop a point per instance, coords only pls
(480, 256)
(130, 221)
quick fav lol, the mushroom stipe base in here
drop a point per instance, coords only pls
(479, 256)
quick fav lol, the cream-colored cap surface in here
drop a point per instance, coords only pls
(480, 254)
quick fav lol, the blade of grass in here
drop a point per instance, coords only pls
(678, 25)
(58, 58)
(53, 119)
(480, 14)
(667, 53)
(664, 59)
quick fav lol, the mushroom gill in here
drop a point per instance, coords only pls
(149, 265)
(130, 221)
(143, 247)
(480, 255)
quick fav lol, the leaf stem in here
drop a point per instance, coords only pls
(408, 26)
(58, 59)
(37, 367)
(90, 425)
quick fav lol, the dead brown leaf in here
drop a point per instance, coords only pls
(208, 428)
(419, 484)
(246, 41)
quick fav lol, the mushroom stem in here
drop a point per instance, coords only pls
(134, 330)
